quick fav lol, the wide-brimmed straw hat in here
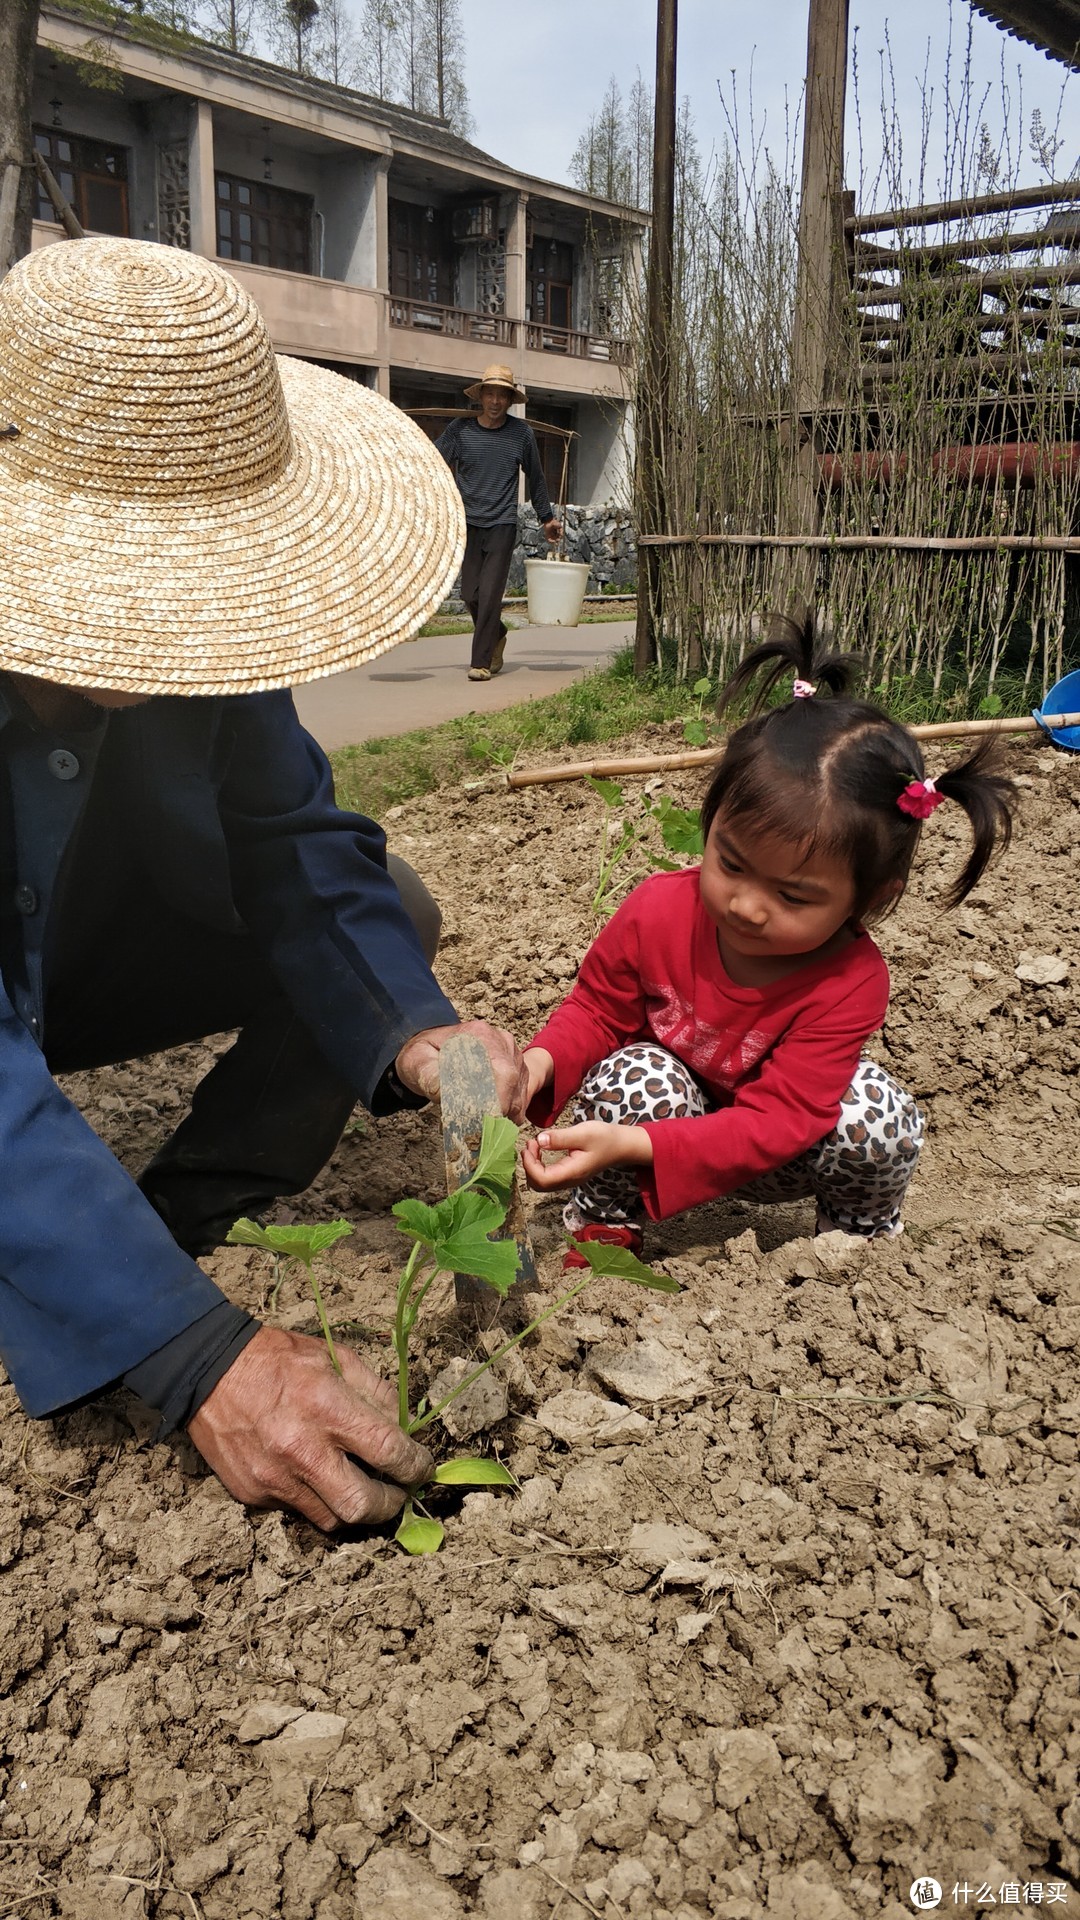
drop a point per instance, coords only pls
(495, 377)
(181, 511)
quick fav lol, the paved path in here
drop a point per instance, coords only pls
(423, 682)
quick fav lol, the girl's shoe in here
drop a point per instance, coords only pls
(624, 1236)
(479, 673)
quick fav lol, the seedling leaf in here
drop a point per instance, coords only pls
(695, 733)
(247, 1233)
(420, 1222)
(420, 1536)
(295, 1243)
(497, 1158)
(609, 790)
(618, 1263)
(328, 1233)
(680, 828)
(467, 1472)
(700, 688)
(470, 1251)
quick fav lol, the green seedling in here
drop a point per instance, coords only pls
(626, 840)
(301, 1244)
(456, 1236)
(696, 728)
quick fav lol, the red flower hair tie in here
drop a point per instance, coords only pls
(919, 799)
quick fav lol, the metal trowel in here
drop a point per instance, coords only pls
(467, 1093)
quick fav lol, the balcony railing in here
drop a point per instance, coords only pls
(453, 322)
(580, 346)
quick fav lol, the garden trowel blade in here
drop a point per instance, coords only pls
(467, 1092)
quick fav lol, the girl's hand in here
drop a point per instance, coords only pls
(589, 1148)
(540, 1068)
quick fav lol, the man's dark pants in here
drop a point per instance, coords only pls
(268, 1115)
(484, 570)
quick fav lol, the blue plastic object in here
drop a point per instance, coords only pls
(1064, 698)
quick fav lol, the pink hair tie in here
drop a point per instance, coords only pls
(804, 690)
(919, 798)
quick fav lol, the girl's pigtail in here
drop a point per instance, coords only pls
(989, 799)
(790, 654)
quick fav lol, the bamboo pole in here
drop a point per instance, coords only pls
(942, 210)
(875, 542)
(655, 383)
(703, 756)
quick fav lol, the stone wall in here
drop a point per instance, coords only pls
(603, 536)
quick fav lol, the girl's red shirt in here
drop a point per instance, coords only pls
(776, 1060)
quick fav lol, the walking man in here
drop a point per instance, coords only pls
(484, 454)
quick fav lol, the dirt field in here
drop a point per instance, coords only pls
(785, 1615)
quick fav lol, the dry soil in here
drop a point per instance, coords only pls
(785, 1614)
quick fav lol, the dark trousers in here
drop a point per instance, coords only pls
(270, 1112)
(488, 552)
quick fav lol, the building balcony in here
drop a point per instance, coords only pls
(578, 346)
(455, 323)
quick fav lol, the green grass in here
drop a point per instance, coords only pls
(598, 711)
(602, 707)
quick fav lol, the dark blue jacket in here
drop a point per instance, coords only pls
(232, 804)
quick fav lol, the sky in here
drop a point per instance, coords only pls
(536, 72)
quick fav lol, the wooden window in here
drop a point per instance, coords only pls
(549, 269)
(421, 254)
(269, 226)
(91, 176)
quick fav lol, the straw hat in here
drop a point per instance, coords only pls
(180, 510)
(495, 377)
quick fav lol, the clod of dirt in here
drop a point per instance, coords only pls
(482, 1405)
(648, 1373)
(583, 1418)
(1042, 969)
(655, 1543)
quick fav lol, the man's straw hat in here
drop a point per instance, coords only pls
(495, 377)
(180, 510)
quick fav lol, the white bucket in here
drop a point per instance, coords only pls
(556, 591)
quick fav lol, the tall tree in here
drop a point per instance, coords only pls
(639, 141)
(444, 41)
(380, 49)
(417, 87)
(228, 23)
(289, 25)
(335, 47)
(18, 39)
(600, 162)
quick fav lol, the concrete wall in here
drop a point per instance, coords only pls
(603, 451)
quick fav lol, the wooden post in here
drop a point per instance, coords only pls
(654, 383)
(18, 38)
(818, 289)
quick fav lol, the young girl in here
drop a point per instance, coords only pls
(715, 1033)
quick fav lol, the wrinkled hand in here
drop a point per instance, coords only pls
(279, 1425)
(418, 1063)
(590, 1148)
(553, 529)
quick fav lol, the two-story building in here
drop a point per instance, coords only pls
(375, 240)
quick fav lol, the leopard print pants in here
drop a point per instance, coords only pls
(858, 1173)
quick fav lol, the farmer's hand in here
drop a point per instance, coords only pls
(280, 1424)
(553, 529)
(418, 1063)
(590, 1148)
